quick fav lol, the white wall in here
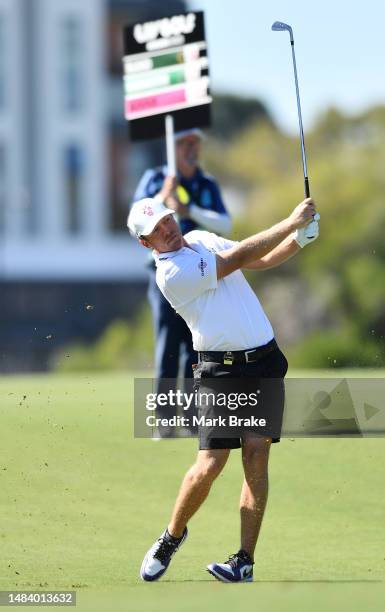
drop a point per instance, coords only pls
(58, 128)
(12, 119)
(36, 129)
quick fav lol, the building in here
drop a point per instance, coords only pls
(67, 173)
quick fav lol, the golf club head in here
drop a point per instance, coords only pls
(279, 26)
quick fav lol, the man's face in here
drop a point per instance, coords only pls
(187, 152)
(166, 236)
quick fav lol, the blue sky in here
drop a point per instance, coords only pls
(339, 45)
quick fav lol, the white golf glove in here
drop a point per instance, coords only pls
(306, 235)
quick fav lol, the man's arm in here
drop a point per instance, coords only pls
(284, 251)
(215, 218)
(211, 220)
(260, 245)
(288, 247)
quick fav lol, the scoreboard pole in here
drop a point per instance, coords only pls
(170, 145)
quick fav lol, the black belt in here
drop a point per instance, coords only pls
(230, 357)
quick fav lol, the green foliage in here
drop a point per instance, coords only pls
(123, 345)
(346, 159)
(260, 151)
(232, 113)
(366, 271)
(337, 349)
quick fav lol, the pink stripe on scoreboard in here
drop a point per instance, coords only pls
(139, 105)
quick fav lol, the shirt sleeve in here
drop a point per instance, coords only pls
(225, 243)
(188, 278)
(149, 185)
(211, 220)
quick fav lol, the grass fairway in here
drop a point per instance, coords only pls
(81, 501)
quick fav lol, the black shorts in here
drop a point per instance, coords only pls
(263, 377)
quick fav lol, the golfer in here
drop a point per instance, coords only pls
(197, 201)
(200, 275)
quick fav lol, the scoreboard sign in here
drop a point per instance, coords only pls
(166, 71)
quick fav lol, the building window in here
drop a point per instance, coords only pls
(73, 182)
(72, 58)
(3, 189)
(2, 63)
(115, 43)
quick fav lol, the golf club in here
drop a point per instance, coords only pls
(277, 27)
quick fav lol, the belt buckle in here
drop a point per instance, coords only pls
(228, 358)
(247, 355)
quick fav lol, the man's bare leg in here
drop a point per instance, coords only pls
(255, 458)
(195, 487)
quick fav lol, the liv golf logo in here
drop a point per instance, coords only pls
(165, 28)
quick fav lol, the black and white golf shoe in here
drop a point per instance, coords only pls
(238, 568)
(158, 558)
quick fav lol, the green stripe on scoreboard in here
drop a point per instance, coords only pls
(151, 61)
(168, 59)
(146, 82)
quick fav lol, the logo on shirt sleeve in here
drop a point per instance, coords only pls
(202, 265)
(206, 200)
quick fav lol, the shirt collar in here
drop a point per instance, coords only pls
(197, 175)
(168, 255)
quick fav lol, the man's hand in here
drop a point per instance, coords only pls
(181, 209)
(169, 197)
(302, 214)
(168, 188)
(308, 234)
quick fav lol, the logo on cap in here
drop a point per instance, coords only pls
(147, 210)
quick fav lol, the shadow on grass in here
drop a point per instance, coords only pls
(331, 581)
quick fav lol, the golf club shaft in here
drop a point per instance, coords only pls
(303, 151)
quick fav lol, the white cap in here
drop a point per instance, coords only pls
(190, 132)
(145, 214)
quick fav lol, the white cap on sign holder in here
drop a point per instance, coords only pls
(145, 214)
(190, 132)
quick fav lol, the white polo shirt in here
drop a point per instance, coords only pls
(223, 315)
